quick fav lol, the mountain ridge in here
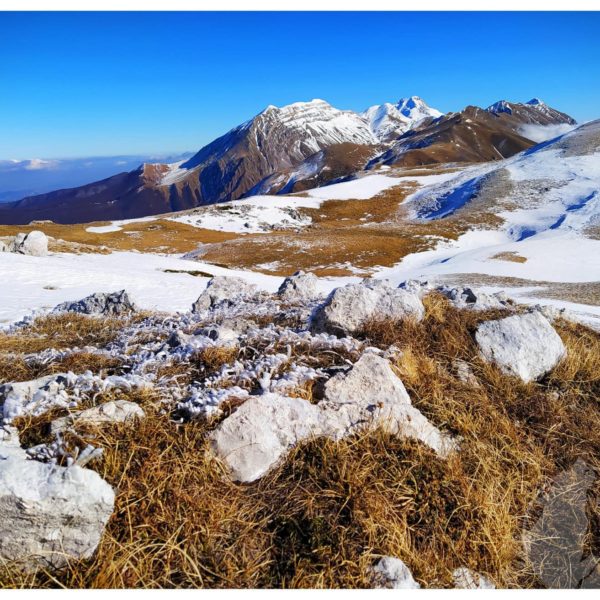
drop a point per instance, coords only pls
(294, 147)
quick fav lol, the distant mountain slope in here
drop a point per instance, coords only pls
(21, 178)
(294, 148)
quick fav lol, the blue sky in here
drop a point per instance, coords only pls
(83, 84)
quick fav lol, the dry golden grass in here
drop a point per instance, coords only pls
(59, 331)
(324, 516)
(160, 235)
(510, 256)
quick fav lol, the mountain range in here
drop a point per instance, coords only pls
(297, 147)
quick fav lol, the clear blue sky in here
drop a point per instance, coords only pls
(81, 84)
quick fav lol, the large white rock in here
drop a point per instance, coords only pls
(392, 573)
(465, 579)
(223, 289)
(261, 432)
(299, 287)
(265, 428)
(348, 308)
(34, 243)
(115, 411)
(50, 514)
(371, 396)
(523, 345)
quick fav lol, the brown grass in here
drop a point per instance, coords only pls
(326, 514)
(510, 256)
(59, 331)
(160, 235)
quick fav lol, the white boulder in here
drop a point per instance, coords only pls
(224, 290)
(261, 432)
(392, 573)
(371, 395)
(115, 411)
(50, 514)
(348, 308)
(34, 243)
(299, 287)
(526, 346)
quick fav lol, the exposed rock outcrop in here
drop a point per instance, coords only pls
(263, 430)
(116, 303)
(299, 287)
(34, 243)
(223, 290)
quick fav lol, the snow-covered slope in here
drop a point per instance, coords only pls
(549, 199)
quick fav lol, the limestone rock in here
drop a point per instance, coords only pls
(116, 411)
(371, 395)
(34, 243)
(392, 573)
(265, 428)
(261, 432)
(526, 346)
(347, 308)
(50, 514)
(223, 290)
(299, 287)
(17, 398)
(116, 303)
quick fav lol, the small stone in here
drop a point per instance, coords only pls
(116, 411)
(392, 573)
(465, 579)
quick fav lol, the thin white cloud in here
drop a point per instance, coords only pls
(541, 133)
(37, 164)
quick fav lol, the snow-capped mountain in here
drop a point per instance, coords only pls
(388, 121)
(276, 139)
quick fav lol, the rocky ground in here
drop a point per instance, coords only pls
(378, 436)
